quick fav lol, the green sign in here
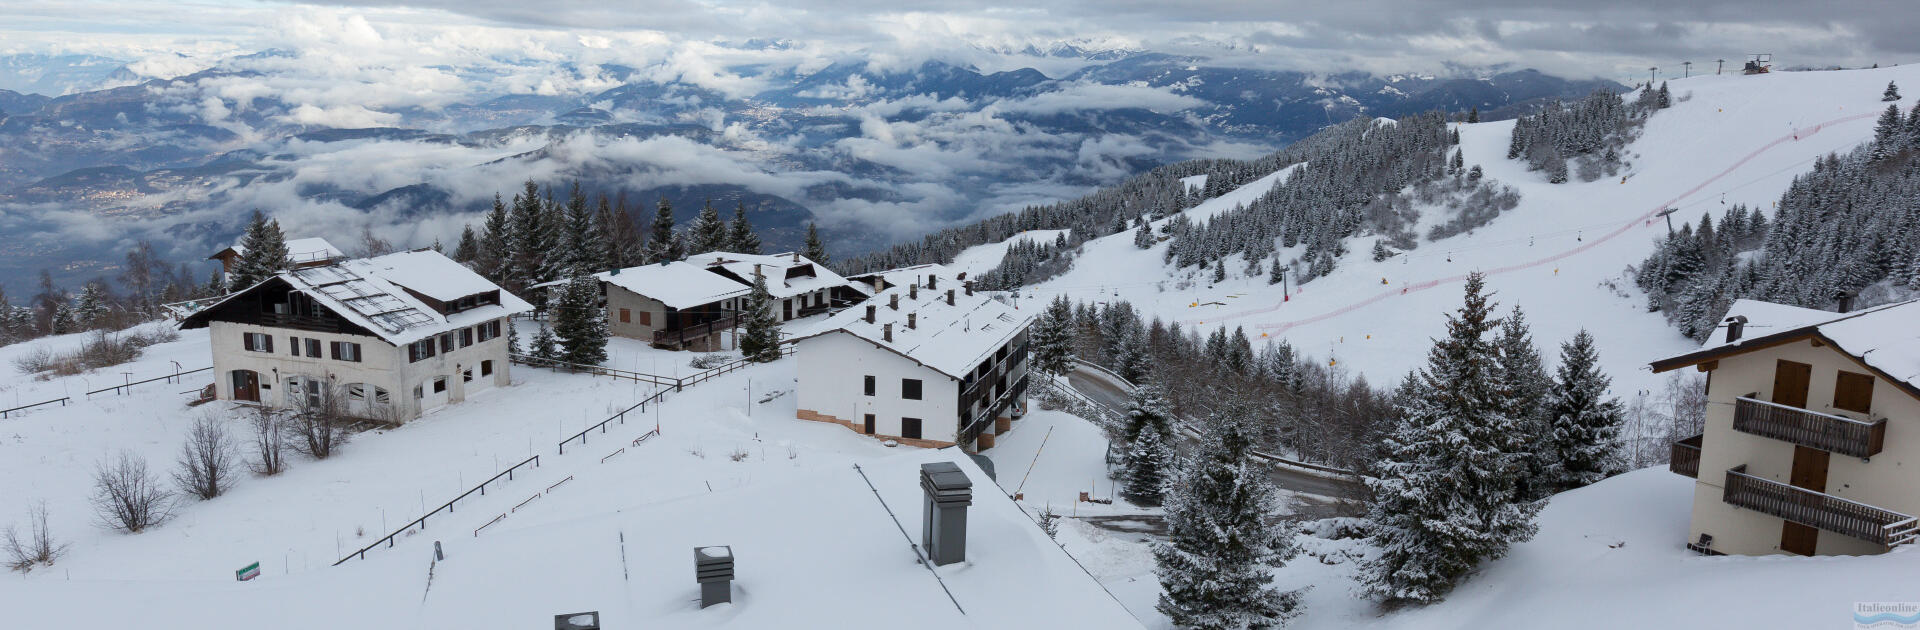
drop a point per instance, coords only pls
(251, 571)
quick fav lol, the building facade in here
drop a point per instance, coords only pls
(1812, 432)
(697, 303)
(385, 338)
(928, 362)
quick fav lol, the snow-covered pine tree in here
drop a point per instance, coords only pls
(1149, 461)
(1049, 523)
(1446, 490)
(816, 250)
(468, 250)
(1276, 273)
(90, 309)
(1050, 339)
(662, 245)
(740, 236)
(1665, 99)
(264, 253)
(1520, 377)
(1891, 94)
(1474, 174)
(581, 323)
(1473, 115)
(1585, 423)
(1219, 270)
(707, 233)
(1143, 237)
(623, 245)
(1556, 170)
(1134, 359)
(583, 246)
(1148, 408)
(1889, 135)
(760, 338)
(529, 241)
(1216, 564)
(495, 238)
(545, 347)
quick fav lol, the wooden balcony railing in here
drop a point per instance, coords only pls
(315, 323)
(1818, 509)
(678, 336)
(1827, 432)
(1686, 457)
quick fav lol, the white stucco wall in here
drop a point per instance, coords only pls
(1890, 480)
(381, 365)
(832, 370)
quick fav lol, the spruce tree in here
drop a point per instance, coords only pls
(264, 253)
(1891, 94)
(581, 323)
(1473, 115)
(1148, 409)
(740, 236)
(619, 235)
(1474, 174)
(816, 250)
(1050, 339)
(707, 233)
(1557, 170)
(1277, 273)
(545, 346)
(495, 243)
(582, 245)
(529, 245)
(1585, 423)
(1220, 270)
(90, 309)
(1521, 381)
(1216, 564)
(1665, 100)
(1149, 461)
(1143, 237)
(760, 341)
(1446, 496)
(662, 245)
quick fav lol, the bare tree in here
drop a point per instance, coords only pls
(269, 441)
(127, 497)
(207, 460)
(36, 547)
(320, 420)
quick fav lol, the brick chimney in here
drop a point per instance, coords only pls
(949, 297)
(870, 309)
(913, 291)
(893, 301)
(886, 332)
(913, 320)
(933, 282)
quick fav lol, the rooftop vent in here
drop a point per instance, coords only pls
(943, 530)
(1735, 326)
(796, 256)
(713, 568)
(933, 282)
(949, 297)
(870, 309)
(913, 320)
(886, 332)
(893, 301)
(1844, 301)
(913, 291)
(969, 286)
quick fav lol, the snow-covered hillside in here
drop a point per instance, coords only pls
(1560, 255)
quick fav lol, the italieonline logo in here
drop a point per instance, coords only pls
(1886, 615)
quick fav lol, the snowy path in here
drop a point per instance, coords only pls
(1645, 220)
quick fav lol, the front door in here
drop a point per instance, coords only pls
(868, 427)
(246, 385)
(786, 310)
(1790, 383)
(1809, 472)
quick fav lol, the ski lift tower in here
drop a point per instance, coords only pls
(1758, 63)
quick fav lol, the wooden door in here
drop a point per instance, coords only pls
(246, 385)
(1853, 392)
(786, 310)
(1790, 383)
(1797, 538)
(869, 424)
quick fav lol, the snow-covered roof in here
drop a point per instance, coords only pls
(895, 277)
(373, 293)
(775, 266)
(1884, 337)
(677, 284)
(299, 250)
(951, 340)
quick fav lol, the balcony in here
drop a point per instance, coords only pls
(680, 336)
(1826, 432)
(1686, 457)
(1818, 509)
(315, 323)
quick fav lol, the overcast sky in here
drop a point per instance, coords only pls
(1614, 39)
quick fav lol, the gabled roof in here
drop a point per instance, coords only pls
(299, 251)
(788, 274)
(374, 293)
(1884, 339)
(951, 340)
(677, 284)
(903, 275)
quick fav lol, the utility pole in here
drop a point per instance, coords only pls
(1686, 69)
(1718, 64)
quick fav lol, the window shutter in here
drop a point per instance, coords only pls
(246, 341)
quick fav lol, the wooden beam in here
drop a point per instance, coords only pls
(1708, 366)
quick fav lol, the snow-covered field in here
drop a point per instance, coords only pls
(1560, 255)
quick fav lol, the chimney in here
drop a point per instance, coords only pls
(949, 297)
(1845, 299)
(886, 332)
(870, 309)
(943, 529)
(913, 320)
(713, 569)
(913, 291)
(796, 257)
(893, 301)
(969, 286)
(933, 282)
(879, 284)
(1736, 325)
(756, 270)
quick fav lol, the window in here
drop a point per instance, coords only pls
(420, 350)
(646, 318)
(294, 342)
(417, 393)
(626, 316)
(313, 347)
(346, 351)
(446, 342)
(867, 425)
(489, 330)
(466, 376)
(466, 337)
(257, 342)
(439, 384)
(486, 367)
(910, 388)
(910, 428)
(869, 385)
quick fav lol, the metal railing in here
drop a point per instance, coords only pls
(1686, 457)
(1817, 509)
(595, 370)
(117, 389)
(972, 430)
(448, 507)
(1811, 429)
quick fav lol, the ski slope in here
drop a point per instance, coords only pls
(1562, 254)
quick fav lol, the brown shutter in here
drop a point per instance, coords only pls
(246, 341)
(1790, 383)
(1853, 392)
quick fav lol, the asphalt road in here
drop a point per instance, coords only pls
(1103, 389)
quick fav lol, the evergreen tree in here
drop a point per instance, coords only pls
(1892, 94)
(816, 251)
(760, 341)
(662, 244)
(1050, 339)
(1585, 423)
(90, 309)
(1474, 174)
(1277, 273)
(582, 248)
(468, 251)
(1143, 237)
(530, 242)
(581, 323)
(707, 233)
(1149, 461)
(264, 253)
(1148, 410)
(620, 235)
(495, 243)
(1665, 99)
(1889, 134)
(1220, 270)
(545, 346)
(1473, 115)
(1521, 381)
(740, 236)
(1216, 564)
(1447, 495)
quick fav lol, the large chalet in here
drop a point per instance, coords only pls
(396, 335)
(695, 304)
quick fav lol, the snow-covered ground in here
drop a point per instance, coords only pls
(978, 259)
(1560, 255)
